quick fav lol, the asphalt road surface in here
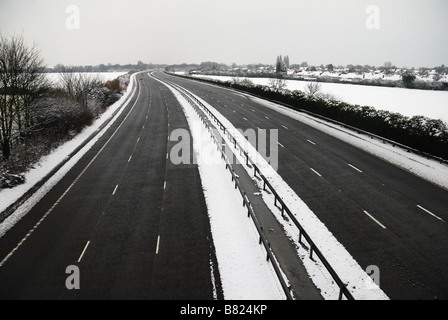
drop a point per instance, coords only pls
(383, 215)
(136, 227)
(133, 225)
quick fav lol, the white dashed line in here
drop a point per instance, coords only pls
(371, 217)
(429, 212)
(352, 166)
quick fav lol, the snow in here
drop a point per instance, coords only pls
(408, 102)
(48, 163)
(245, 273)
(55, 78)
(428, 169)
(350, 272)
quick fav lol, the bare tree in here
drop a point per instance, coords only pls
(312, 90)
(277, 84)
(79, 86)
(21, 83)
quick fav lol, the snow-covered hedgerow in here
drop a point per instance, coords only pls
(417, 132)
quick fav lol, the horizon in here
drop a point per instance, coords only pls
(108, 64)
(409, 33)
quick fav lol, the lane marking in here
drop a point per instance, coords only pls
(285, 127)
(83, 251)
(429, 212)
(280, 144)
(371, 217)
(115, 190)
(311, 142)
(130, 157)
(266, 117)
(73, 183)
(316, 172)
(164, 185)
(354, 168)
(157, 245)
(245, 119)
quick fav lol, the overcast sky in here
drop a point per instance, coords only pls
(411, 33)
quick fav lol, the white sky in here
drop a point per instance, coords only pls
(410, 33)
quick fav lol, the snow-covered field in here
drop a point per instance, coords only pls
(105, 76)
(408, 102)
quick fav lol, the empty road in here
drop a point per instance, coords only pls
(133, 224)
(383, 215)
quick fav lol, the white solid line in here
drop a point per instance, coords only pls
(310, 142)
(285, 127)
(354, 168)
(83, 251)
(427, 211)
(371, 217)
(157, 246)
(316, 172)
(115, 190)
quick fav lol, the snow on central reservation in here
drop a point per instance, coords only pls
(245, 273)
(351, 273)
(408, 102)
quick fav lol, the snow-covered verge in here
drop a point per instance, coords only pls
(408, 102)
(428, 169)
(358, 282)
(53, 160)
(431, 170)
(245, 273)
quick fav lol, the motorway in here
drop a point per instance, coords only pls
(134, 225)
(384, 216)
